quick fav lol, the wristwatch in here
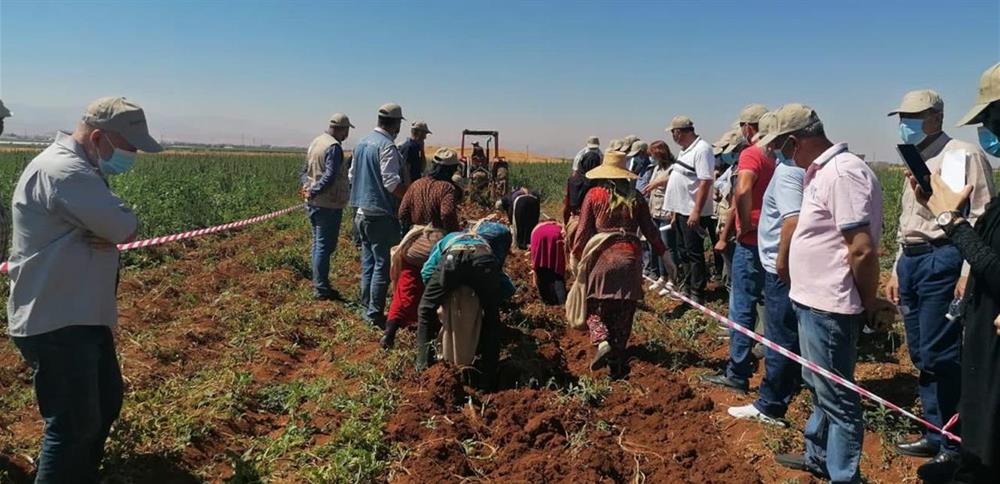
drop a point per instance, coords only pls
(948, 220)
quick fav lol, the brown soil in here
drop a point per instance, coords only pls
(545, 424)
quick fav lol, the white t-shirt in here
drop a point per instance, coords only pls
(694, 164)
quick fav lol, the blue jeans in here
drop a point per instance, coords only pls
(747, 292)
(782, 376)
(835, 430)
(378, 234)
(926, 288)
(78, 384)
(326, 230)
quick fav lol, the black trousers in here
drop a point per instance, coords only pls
(480, 271)
(551, 287)
(692, 253)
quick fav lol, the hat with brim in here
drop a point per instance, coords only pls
(989, 92)
(680, 122)
(420, 126)
(789, 119)
(721, 144)
(752, 113)
(119, 115)
(612, 168)
(593, 143)
(340, 120)
(637, 147)
(919, 101)
(446, 157)
(391, 111)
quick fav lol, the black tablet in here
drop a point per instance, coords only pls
(917, 166)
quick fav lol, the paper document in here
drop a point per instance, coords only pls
(953, 169)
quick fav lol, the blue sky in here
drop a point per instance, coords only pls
(546, 74)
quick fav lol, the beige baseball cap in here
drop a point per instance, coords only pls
(736, 140)
(721, 144)
(340, 120)
(989, 91)
(752, 113)
(593, 142)
(446, 157)
(628, 140)
(765, 125)
(919, 101)
(680, 122)
(4, 112)
(391, 110)
(119, 115)
(637, 147)
(615, 145)
(420, 126)
(789, 119)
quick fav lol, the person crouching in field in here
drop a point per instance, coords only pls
(326, 191)
(464, 275)
(613, 213)
(63, 278)
(548, 262)
(523, 209)
(430, 206)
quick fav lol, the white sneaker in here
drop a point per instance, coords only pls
(657, 284)
(751, 412)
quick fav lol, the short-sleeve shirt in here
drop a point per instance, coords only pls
(754, 160)
(695, 164)
(841, 193)
(56, 278)
(782, 199)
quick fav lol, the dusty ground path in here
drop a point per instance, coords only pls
(234, 373)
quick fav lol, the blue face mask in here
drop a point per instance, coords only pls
(729, 158)
(989, 141)
(120, 162)
(911, 131)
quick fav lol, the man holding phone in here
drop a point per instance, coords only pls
(929, 273)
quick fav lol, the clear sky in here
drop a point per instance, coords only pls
(546, 74)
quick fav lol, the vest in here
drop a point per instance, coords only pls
(367, 191)
(336, 195)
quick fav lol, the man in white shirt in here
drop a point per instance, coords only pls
(689, 195)
(63, 276)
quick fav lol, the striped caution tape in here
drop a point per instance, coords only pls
(141, 244)
(816, 368)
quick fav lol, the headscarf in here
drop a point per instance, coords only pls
(622, 194)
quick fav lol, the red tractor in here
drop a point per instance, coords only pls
(486, 177)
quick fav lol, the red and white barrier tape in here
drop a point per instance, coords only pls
(140, 244)
(816, 368)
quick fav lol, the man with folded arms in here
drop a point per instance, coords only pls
(63, 278)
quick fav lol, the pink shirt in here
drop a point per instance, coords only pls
(841, 193)
(548, 251)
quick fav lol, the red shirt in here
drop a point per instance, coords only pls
(753, 159)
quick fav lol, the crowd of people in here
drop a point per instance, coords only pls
(794, 221)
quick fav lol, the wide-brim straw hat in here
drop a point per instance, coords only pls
(612, 168)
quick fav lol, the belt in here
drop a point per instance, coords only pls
(921, 248)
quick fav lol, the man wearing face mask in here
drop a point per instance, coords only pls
(376, 191)
(753, 173)
(63, 272)
(778, 218)
(833, 266)
(929, 272)
(980, 247)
